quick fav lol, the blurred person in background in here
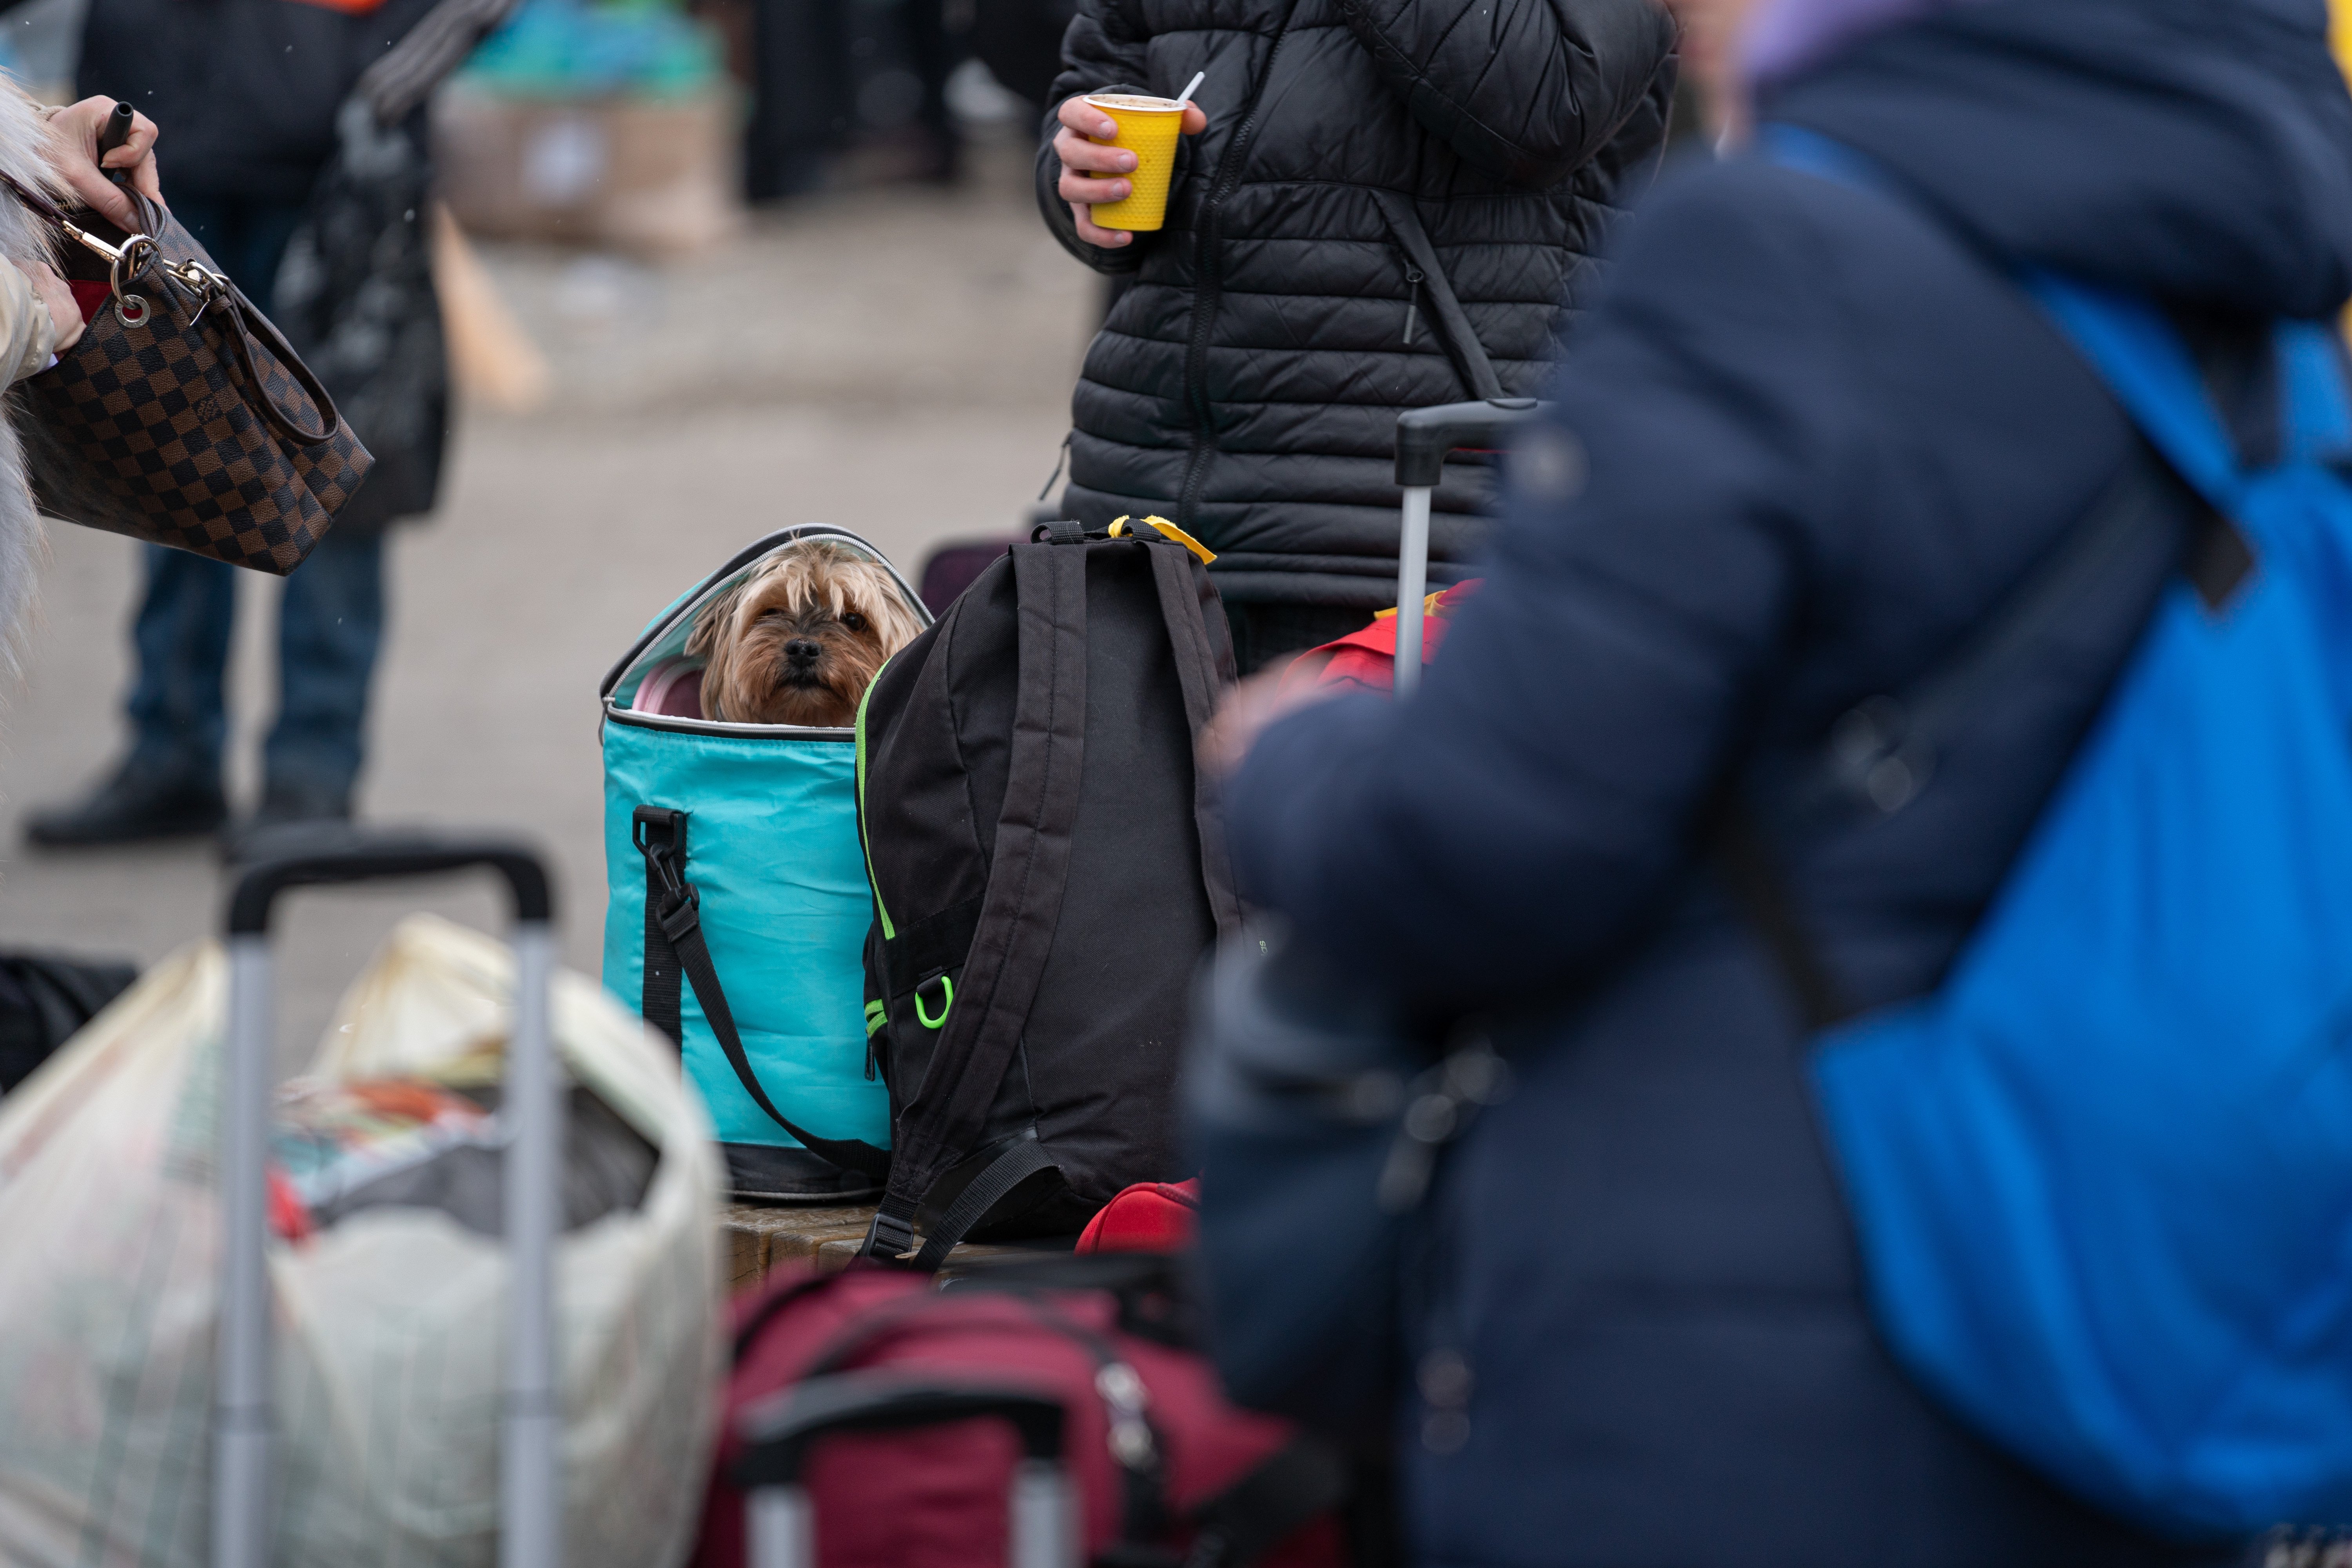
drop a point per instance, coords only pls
(1020, 42)
(1707, 100)
(252, 91)
(826, 75)
(1358, 168)
(1810, 438)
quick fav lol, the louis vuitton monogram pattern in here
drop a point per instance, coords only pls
(163, 416)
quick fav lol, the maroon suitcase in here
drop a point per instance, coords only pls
(1034, 1415)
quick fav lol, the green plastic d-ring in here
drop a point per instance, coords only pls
(946, 1000)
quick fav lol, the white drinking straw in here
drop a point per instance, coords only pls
(1198, 77)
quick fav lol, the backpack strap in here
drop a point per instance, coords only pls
(1881, 752)
(1204, 668)
(675, 946)
(1023, 1160)
(2318, 414)
(2143, 362)
(1240, 1525)
(1015, 933)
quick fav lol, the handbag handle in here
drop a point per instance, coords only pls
(245, 314)
(246, 317)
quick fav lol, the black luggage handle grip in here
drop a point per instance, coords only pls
(348, 857)
(780, 1434)
(1427, 436)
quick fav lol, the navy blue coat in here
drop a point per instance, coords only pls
(1822, 437)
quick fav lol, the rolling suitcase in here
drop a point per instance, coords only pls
(1425, 438)
(1041, 1511)
(529, 1479)
(1123, 1450)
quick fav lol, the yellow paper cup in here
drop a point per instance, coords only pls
(1147, 128)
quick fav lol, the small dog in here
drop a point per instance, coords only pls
(799, 639)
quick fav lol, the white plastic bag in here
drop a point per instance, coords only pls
(390, 1324)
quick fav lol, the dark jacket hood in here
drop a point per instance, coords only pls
(2197, 149)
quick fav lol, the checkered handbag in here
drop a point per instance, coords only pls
(181, 417)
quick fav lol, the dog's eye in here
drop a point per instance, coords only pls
(854, 621)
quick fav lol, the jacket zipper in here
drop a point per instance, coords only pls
(1209, 287)
(1413, 278)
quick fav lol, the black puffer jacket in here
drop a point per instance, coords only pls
(1247, 385)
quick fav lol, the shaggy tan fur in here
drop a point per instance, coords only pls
(799, 639)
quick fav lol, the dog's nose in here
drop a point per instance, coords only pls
(803, 650)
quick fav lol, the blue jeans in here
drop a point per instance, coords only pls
(330, 623)
(330, 628)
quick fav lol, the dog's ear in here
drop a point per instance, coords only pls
(877, 596)
(713, 640)
(717, 617)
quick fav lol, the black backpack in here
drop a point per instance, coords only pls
(1048, 876)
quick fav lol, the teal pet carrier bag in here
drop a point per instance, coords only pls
(738, 906)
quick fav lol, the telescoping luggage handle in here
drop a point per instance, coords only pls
(531, 1493)
(1425, 438)
(780, 1435)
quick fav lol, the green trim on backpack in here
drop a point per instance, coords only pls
(877, 1014)
(946, 1000)
(889, 932)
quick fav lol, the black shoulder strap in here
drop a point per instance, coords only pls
(1250, 1518)
(1000, 1176)
(1204, 668)
(1881, 752)
(675, 946)
(1015, 933)
(1461, 345)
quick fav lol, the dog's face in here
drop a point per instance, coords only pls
(798, 640)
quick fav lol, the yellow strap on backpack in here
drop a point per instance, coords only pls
(1168, 532)
(1428, 606)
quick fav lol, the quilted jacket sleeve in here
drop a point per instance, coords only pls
(1528, 89)
(1102, 52)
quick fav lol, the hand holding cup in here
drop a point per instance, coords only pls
(1096, 172)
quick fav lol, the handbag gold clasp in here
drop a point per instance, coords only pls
(111, 252)
(125, 260)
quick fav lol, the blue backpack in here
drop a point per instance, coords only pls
(2103, 1175)
(737, 911)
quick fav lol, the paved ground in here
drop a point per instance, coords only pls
(897, 361)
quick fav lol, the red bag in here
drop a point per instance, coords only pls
(1366, 657)
(1150, 1216)
(1159, 1462)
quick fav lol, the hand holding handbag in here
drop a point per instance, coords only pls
(181, 417)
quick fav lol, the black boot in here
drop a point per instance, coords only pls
(141, 801)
